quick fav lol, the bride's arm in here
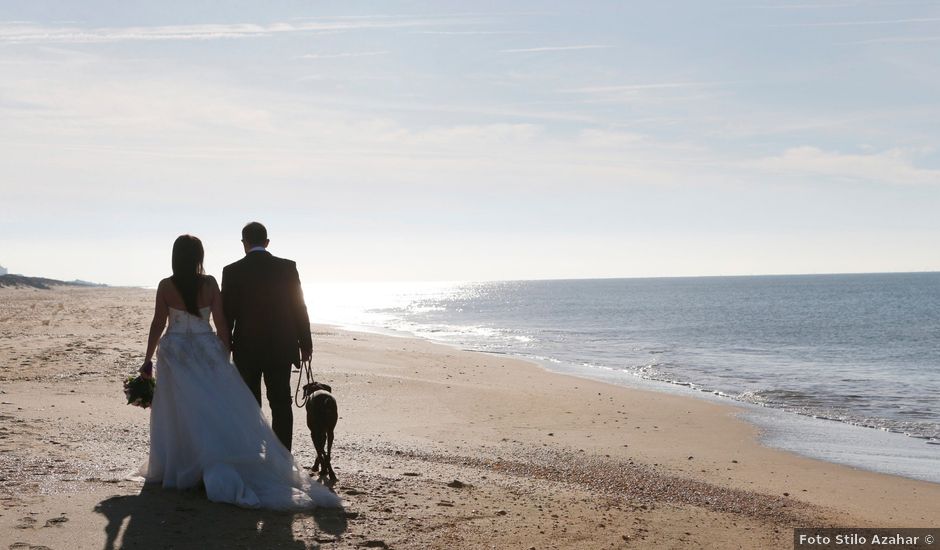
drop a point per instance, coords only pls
(218, 315)
(158, 324)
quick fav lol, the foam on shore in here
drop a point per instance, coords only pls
(837, 442)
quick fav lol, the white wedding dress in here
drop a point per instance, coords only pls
(205, 426)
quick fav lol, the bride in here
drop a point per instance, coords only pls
(205, 424)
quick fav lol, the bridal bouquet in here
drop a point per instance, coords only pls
(139, 389)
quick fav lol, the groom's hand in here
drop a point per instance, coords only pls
(305, 355)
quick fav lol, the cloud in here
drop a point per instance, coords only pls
(342, 55)
(897, 40)
(557, 48)
(472, 136)
(119, 123)
(893, 166)
(638, 87)
(864, 23)
(472, 33)
(805, 6)
(650, 93)
(37, 34)
(606, 139)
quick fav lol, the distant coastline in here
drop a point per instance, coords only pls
(41, 283)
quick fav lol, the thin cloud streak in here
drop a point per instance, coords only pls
(344, 55)
(557, 48)
(466, 14)
(33, 34)
(891, 167)
(474, 33)
(863, 23)
(638, 87)
(805, 6)
(896, 40)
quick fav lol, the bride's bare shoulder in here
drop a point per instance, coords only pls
(165, 291)
(209, 282)
(210, 288)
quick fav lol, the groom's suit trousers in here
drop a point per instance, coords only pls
(277, 388)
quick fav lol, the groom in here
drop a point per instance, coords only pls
(264, 305)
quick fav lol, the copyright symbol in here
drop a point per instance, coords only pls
(928, 539)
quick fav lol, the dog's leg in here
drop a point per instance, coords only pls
(318, 445)
(329, 453)
(318, 442)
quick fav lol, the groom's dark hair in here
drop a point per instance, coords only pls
(254, 234)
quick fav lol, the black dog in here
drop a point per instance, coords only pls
(321, 419)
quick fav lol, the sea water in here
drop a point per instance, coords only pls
(840, 367)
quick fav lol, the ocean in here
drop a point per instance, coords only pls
(840, 367)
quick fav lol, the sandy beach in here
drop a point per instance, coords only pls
(436, 448)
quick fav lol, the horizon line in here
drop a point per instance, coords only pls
(523, 280)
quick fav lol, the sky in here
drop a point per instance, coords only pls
(415, 141)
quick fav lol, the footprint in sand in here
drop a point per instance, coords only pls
(56, 522)
(26, 523)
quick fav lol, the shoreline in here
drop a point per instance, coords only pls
(914, 457)
(722, 417)
(435, 448)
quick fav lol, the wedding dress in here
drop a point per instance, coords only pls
(205, 426)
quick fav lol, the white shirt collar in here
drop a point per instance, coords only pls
(257, 249)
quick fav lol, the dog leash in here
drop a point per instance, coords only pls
(305, 369)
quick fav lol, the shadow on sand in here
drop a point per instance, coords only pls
(158, 518)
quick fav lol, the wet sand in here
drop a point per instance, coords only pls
(436, 448)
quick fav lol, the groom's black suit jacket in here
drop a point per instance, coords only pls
(265, 309)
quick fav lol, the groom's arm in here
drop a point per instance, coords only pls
(301, 318)
(229, 302)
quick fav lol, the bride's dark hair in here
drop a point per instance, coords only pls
(187, 270)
